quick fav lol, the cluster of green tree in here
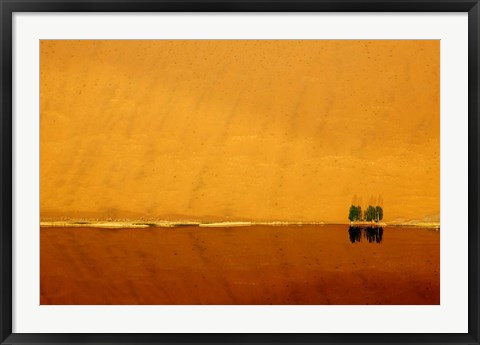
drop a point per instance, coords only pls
(371, 213)
(355, 213)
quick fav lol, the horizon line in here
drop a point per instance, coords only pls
(172, 224)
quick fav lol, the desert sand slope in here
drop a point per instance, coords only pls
(238, 130)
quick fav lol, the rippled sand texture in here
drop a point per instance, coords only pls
(239, 130)
(247, 265)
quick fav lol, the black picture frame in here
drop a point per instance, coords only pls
(8, 7)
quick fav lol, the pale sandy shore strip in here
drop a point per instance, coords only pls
(170, 224)
(113, 225)
(116, 224)
(423, 225)
(357, 223)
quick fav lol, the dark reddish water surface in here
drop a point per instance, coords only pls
(329, 264)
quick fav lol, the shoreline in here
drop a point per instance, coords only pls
(173, 224)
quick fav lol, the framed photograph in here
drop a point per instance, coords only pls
(233, 171)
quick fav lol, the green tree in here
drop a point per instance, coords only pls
(352, 214)
(378, 213)
(355, 213)
(370, 213)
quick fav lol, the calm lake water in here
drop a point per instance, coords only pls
(330, 264)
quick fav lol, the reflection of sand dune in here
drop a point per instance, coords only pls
(249, 265)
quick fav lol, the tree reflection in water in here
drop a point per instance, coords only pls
(371, 233)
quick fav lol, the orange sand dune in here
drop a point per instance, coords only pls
(239, 130)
